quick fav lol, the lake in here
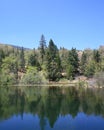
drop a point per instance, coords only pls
(55, 108)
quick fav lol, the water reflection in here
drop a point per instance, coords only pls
(51, 105)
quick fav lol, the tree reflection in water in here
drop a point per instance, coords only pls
(50, 103)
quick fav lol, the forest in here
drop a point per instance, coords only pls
(48, 63)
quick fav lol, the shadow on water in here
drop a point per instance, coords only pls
(50, 103)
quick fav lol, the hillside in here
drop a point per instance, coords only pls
(20, 65)
(10, 46)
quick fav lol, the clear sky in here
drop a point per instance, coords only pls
(70, 23)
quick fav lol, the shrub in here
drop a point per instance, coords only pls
(32, 77)
(90, 69)
(99, 78)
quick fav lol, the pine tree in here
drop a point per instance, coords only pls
(96, 56)
(42, 47)
(22, 60)
(33, 61)
(1, 56)
(73, 60)
(83, 62)
(97, 60)
(53, 64)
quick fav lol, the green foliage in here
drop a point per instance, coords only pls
(102, 65)
(96, 56)
(42, 47)
(53, 50)
(33, 60)
(70, 72)
(32, 77)
(22, 60)
(9, 70)
(73, 61)
(99, 77)
(83, 62)
(2, 55)
(64, 58)
(50, 103)
(9, 79)
(90, 69)
(53, 63)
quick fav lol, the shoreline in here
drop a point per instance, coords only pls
(74, 83)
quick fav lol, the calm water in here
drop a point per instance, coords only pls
(31, 108)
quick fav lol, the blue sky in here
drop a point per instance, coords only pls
(70, 23)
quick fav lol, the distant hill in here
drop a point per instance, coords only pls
(2, 45)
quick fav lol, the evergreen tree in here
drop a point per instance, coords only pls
(69, 72)
(90, 69)
(97, 60)
(22, 60)
(53, 64)
(96, 56)
(42, 47)
(33, 61)
(6, 50)
(64, 57)
(83, 62)
(1, 56)
(73, 60)
(52, 49)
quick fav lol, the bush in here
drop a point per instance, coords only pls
(90, 69)
(8, 79)
(30, 78)
(70, 72)
(33, 77)
(100, 78)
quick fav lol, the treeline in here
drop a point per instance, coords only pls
(48, 63)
